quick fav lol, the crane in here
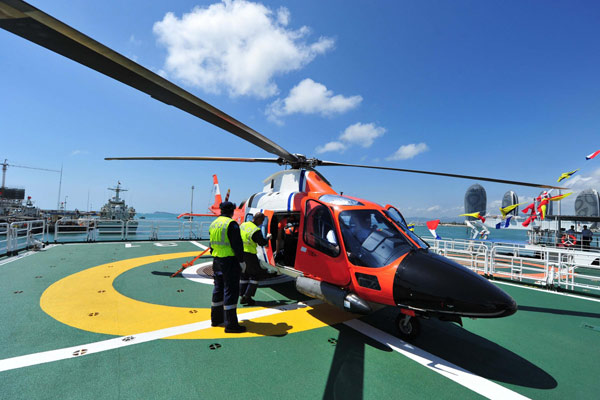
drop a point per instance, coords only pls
(5, 166)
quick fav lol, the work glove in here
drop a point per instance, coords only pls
(243, 266)
(269, 236)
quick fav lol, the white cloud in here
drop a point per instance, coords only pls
(331, 146)
(357, 134)
(362, 134)
(134, 41)
(310, 97)
(582, 182)
(434, 208)
(79, 152)
(237, 45)
(408, 151)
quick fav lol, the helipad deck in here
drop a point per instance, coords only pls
(105, 320)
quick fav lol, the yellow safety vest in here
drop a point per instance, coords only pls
(247, 230)
(219, 241)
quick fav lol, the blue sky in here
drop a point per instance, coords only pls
(501, 89)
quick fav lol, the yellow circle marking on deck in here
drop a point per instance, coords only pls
(71, 300)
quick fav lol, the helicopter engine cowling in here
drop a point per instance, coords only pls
(333, 295)
(430, 282)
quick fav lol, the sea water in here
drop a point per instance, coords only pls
(463, 232)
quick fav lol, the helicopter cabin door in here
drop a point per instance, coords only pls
(318, 253)
(264, 254)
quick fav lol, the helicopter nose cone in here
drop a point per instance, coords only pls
(428, 281)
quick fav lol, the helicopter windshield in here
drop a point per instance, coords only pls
(371, 240)
(395, 216)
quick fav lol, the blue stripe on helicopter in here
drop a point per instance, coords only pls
(290, 200)
(301, 181)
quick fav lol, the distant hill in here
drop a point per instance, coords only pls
(456, 220)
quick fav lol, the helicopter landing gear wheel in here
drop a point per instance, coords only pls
(408, 327)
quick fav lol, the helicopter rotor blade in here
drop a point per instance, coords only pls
(478, 178)
(184, 158)
(26, 21)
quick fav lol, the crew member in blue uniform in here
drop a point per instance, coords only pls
(251, 236)
(228, 252)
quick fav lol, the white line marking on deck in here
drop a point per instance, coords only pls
(547, 291)
(203, 247)
(23, 255)
(130, 245)
(115, 343)
(459, 375)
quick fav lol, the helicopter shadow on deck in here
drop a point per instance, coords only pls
(559, 311)
(445, 340)
(346, 372)
(471, 352)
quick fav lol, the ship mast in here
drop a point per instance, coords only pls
(117, 190)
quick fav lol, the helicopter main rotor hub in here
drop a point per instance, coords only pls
(301, 162)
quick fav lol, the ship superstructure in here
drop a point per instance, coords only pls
(116, 209)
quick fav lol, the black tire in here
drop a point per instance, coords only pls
(408, 330)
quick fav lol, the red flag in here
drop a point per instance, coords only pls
(433, 224)
(594, 154)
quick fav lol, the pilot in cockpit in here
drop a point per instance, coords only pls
(360, 225)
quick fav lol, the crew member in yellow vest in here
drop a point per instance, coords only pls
(228, 252)
(251, 236)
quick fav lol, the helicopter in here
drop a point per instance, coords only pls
(347, 251)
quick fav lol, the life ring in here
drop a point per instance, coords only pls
(568, 240)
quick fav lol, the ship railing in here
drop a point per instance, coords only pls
(517, 264)
(4, 227)
(577, 270)
(571, 269)
(75, 230)
(469, 253)
(21, 235)
(143, 229)
(167, 230)
(194, 230)
(109, 229)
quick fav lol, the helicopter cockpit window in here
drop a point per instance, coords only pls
(319, 229)
(395, 216)
(371, 240)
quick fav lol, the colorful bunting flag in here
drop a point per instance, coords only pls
(474, 215)
(560, 197)
(507, 209)
(594, 154)
(566, 175)
(432, 226)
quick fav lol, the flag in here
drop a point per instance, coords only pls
(542, 208)
(560, 197)
(507, 209)
(411, 227)
(530, 219)
(594, 154)
(503, 224)
(432, 226)
(474, 215)
(528, 208)
(566, 175)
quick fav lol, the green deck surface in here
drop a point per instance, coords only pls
(549, 349)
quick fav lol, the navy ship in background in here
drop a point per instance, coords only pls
(115, 212)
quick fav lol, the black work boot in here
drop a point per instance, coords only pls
(235, 329)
